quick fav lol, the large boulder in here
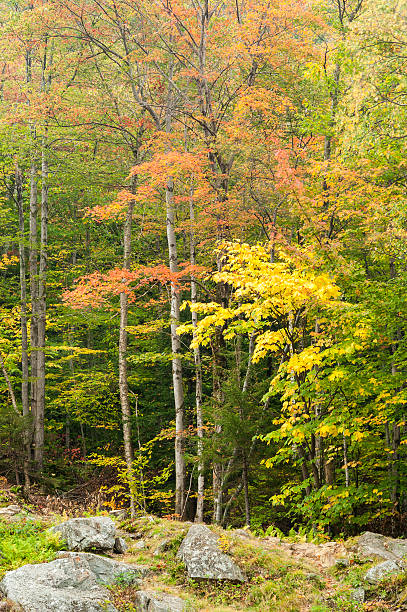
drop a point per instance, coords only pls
(66, 585)
(73, 583)
(375, 545)
(108, 571)
(153, 601)
(94, 533)
(383, 570)
(203, 558)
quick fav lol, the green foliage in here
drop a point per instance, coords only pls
(26, 541)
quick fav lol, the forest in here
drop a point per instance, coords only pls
(203, 273)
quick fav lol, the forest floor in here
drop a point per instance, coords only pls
(283, 575)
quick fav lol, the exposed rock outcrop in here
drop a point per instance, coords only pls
(120, 546)
(108, 571)
(383, 570)
(375, 545)
(73, 583)
(325, 555)
(204, 559)
(94, 533)
(66, 585)
(154, 601)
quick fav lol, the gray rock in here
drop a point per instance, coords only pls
(120, 546)
(139, 545)
(66, 585)
(108, 571)
(342, 563)
(120, 514)
(94, 533)
(153, 601)
(358, 595)
(10, 510)
(162, 547)
(375, 545)
(242, 533)
(8, 606)
(204, 559)
(135, 536)
(378, 572)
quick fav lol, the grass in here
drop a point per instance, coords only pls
(26, 541)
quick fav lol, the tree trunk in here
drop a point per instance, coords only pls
(175, 339)
(23, 323)
(9, 386)
(346, 460)
(245, 471)
(198, 377)
(42, 307)
(123, 382)
(245, 480)
(33, 271)
(176, 360)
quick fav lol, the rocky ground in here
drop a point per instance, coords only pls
(108, 563)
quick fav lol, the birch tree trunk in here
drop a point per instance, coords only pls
(33, 273)
(123, 381)
(176, 359)
(23, 322)
(9, 386)
(198, 375)
(175, 339)
(42, 307)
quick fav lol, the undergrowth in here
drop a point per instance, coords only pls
(24, 542)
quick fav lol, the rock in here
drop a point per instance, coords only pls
(342, 563)
(66, 585)
(204, 559)
(153, 601)
(108, 571)
(139, 545)
(120, 546)
(375, 545)
(119, 514)
(273, 540)
(135, 536)
(9, 606)
(10, 510)
(94, 533)
(242, 533)
(162, 547)
(358, 595)
(324, 555)
(378, 572)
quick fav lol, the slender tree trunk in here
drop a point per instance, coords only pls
(198, 374)
(218, 472)
(33, 271)
(123, 381)
(245, 480)
(42, 307)
(23, 323)
(245, 471)
(175, 339)
(9, 386)
(176, 359)
(346, 460)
